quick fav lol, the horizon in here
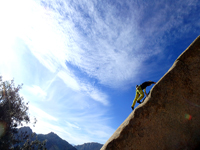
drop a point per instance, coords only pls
(79, 61)
(58, 136)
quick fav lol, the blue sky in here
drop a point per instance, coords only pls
(80, 60)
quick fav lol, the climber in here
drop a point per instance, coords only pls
(139, 92)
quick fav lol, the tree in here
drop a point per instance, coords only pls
(13, 112)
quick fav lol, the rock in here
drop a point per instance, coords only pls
(169, 119)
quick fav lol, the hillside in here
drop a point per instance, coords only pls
(169, 117)
(54, 142)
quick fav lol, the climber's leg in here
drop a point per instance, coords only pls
(141, 95)
(136, 97)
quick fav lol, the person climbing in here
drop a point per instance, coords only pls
(139, 92)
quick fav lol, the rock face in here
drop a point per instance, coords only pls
(169, 119)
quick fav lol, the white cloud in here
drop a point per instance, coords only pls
(100, 44)
(72, 125)
(69, 80)
(40, 114)
(95, 94)
(98, 51)
(80, 127)
(47, 42)
(54, 43)
(36, 91)
(88, 128)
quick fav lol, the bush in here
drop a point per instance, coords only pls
(13, 112)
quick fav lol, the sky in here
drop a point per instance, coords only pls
(79, 60)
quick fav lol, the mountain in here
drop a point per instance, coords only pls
(54, 142)
(169, 117)
(89, 146)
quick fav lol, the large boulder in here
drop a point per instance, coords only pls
(169, 119)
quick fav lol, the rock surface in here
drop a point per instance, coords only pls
(169, 119)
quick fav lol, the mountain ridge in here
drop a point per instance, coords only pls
(89, 146)
(54, 142)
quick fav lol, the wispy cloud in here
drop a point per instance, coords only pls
(37, 91)
(41, 115)
(70, 125)
(69, 80)
(86, 125)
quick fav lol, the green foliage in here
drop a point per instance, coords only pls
(34, 145)
(13, 112)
